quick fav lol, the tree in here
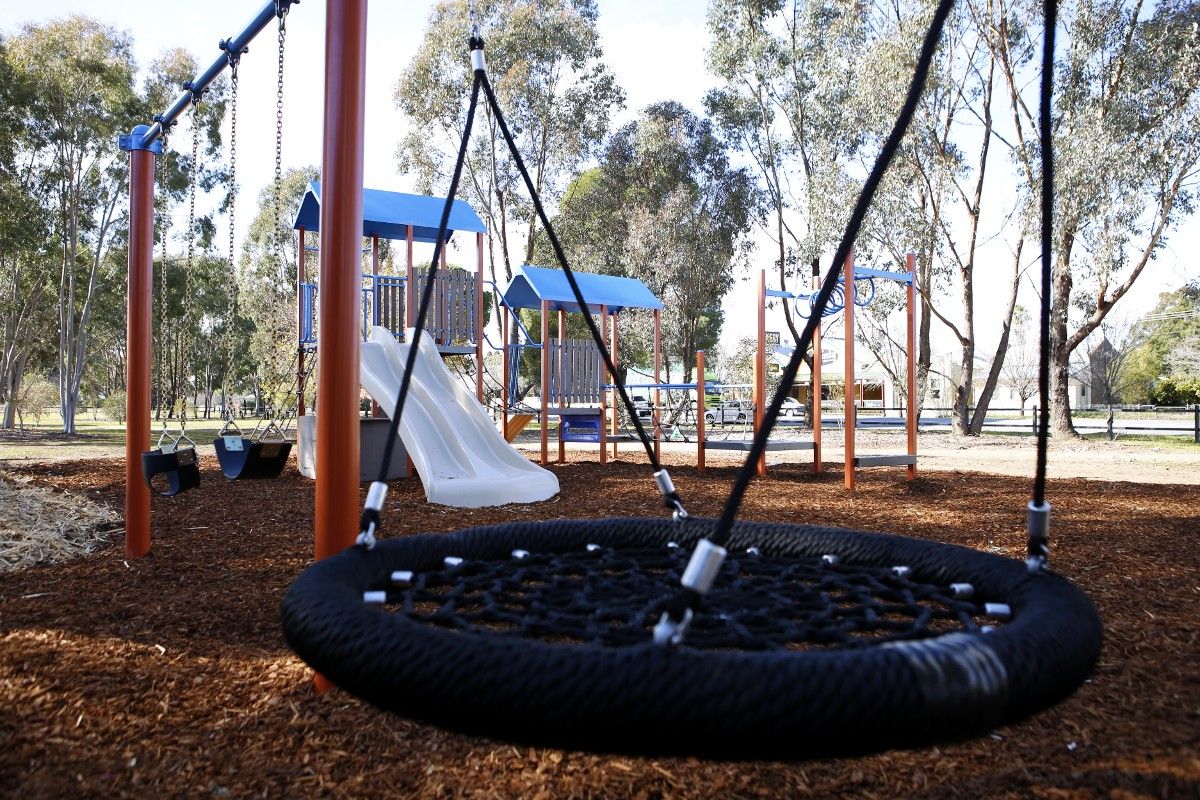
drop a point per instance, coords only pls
(546, 63)
(81, 73)
(668, 208)
(1167, 354)
(267, 286)
(1021, 360)
(1124, 135)
(25, 238)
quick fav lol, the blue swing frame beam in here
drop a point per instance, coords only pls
(196, 88)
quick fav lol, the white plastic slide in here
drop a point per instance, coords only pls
(461, 457)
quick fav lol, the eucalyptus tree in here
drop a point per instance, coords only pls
(25, 243)
(666, 206)
(1126, 138)
(267, 287)
(790, 101)
(81, 75)
(547, 67)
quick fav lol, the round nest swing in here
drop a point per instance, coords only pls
(816, 642)
(706, 637)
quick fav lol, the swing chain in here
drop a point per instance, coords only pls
(231, 285)
(187, 275)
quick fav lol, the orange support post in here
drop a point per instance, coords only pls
(850, 421)
(616, 396)
(545, 441)
(604, 392)
(910, 421)
(408, 275)
(562, 394)
(815, 374)
(700, 411)
(138, 338)
(760, 365)
(655, 420)
(336, 515)
(300, 238)
(504, 369)
(479, 317)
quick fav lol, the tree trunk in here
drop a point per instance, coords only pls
(1060, 355)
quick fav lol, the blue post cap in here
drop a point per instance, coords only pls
(136, 140)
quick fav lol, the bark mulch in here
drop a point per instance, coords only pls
(169, 676)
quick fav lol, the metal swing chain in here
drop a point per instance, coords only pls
(281, 11)
(185, 344)
(231, 286)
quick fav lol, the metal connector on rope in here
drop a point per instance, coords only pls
(1037, 525)
(698, 577)
(369, 521)
(670, 496)
(478, 63)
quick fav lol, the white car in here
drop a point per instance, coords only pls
(729, 411)
(792, 408)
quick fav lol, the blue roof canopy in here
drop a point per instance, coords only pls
(388, 214)
(531, 285)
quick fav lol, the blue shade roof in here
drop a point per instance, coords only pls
(388, 214)
(531, 285)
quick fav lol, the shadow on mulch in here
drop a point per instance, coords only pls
(169, 675)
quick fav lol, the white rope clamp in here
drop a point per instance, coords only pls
(667, 487)
(1037, 527)
(375, 497)
(698, 577)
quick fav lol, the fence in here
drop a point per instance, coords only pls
(1140, 420)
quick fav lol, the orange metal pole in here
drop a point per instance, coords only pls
(815, 384)
(654, 414)
(700, 411)
(138, 338)
(504, 370)
(616, 397)
(408, 276)
(850, 420)
(479, 317)
(910, 422)
(376, 410)
(760, 365)
(562, 395)
(604, 392)
(299, 318)
(545, 441)
(338, 384)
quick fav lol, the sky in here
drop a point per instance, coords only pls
(665, 39)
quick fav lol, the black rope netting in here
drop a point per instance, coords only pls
(603, 596)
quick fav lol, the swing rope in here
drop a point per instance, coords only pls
(231, 427)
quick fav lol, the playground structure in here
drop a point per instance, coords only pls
(457, 321)
(571, 370)
(845, 302)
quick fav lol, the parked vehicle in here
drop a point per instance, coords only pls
(729, 411)
(641, 402)
(792, 408)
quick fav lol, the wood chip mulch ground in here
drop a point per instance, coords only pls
(168, 676)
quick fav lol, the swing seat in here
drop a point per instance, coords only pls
(243, 458)
(180, 468)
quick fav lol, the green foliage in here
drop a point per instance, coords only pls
(114, 406)
(37, 395)
(1175, 391)
(557, 95)
(664, 206)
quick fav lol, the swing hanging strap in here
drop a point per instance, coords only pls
(370, 519)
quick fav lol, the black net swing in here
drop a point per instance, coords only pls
(696, 636)
(264, 453)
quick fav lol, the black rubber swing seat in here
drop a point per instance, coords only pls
(252, 460)
(179, 467)
(812, 642)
